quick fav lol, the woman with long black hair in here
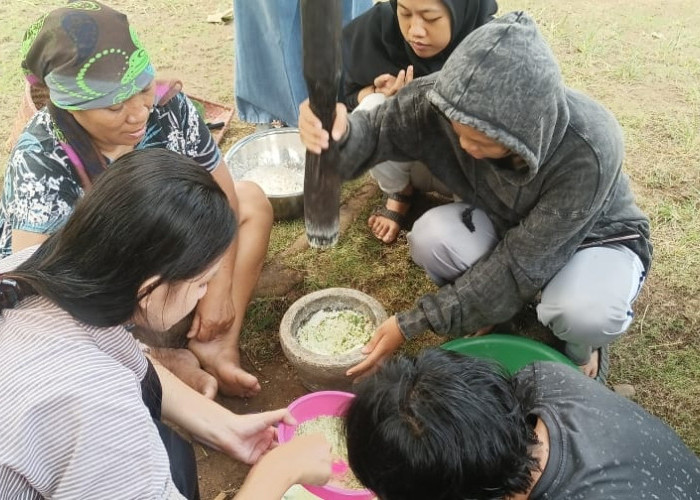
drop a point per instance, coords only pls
(82, 404)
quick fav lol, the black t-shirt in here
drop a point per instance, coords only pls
(603, 446)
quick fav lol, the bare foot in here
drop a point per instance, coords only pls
(590, 369)
(184, 365)
(384, 228)
(224, 364)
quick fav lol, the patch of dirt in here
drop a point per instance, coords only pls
(218, 473)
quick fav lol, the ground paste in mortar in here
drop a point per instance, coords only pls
(331, 332)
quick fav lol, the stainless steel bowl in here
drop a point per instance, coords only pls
(280, 147)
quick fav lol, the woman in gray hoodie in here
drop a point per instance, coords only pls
(547, 208)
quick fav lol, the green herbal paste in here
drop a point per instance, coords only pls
(335, 331)
(332, 428)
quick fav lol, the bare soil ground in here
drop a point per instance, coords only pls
(219, 475)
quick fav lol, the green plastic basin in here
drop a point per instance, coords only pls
(511, 351)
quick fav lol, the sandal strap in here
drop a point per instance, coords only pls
(392, 215)
(401, 198)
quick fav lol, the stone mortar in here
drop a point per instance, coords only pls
(319, 372)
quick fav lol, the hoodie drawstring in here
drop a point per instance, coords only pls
(467, 214)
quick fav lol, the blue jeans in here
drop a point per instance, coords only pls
(269, 81)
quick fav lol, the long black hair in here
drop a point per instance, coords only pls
(440, 426)
(152, 213)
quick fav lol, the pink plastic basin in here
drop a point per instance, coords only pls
(316, 404)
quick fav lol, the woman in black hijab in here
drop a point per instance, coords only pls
(384, 49)
(377, 43)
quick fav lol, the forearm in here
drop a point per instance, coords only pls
(364, 92)
(190, 410)
(222, 282)
(461, 308)
(268, 479)
(354, 92)
(362, 146)
(26, 239)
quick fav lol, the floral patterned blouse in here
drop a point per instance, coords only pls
(41, 187)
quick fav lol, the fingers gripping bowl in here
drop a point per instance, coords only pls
(341, 321)
(314, 407)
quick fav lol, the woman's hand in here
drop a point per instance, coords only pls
(364, 92)
(311, 131)
(244, 437)
(387, 339)
(248, 437)
(389, 84)
(308, 456)
(213, 316)
(305, 459)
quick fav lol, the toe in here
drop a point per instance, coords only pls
(390, 235)
(235, 381)
(391, 232)
(378, 228)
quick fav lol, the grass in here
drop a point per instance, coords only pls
(634, 57)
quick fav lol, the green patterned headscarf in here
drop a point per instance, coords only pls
(87, 56)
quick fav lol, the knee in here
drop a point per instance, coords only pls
(584, 320)
(442, 245)
(253, 205)
(427, 241)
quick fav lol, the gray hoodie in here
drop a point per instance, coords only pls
(504, 81)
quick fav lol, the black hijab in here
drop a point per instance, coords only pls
(373, 44)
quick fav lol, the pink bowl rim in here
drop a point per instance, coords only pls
(343, 394)
(333, 489)
(302, 399)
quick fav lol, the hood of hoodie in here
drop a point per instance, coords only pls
(504, 81)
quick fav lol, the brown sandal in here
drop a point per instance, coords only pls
(393, 215)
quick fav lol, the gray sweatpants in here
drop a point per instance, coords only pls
(587, 304)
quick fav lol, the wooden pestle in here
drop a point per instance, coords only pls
(321, 25)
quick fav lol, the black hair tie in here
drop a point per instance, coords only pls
(10, 293)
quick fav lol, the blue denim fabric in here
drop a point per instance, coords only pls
(269, 84)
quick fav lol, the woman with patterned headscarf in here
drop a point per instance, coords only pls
(386, 48)
(104, 103)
